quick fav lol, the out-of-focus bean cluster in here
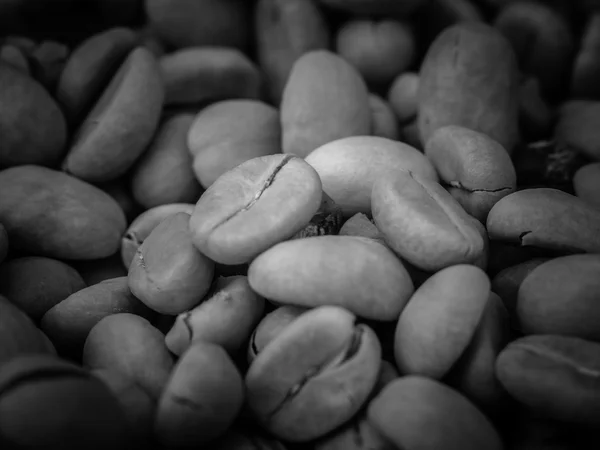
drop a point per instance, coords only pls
(300, 224)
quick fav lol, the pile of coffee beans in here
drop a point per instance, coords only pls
(300, 224)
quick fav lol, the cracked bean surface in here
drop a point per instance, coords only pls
(553, 374)
(323, 363)
(546, 218)
(477, 169)
(168, 273)
(425, 225)
(226, 316)
(254, 206)
(142, 226)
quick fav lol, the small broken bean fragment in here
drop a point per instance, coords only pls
(360, 225)
(550, 164)
(326, 221)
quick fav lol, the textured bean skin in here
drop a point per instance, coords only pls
(379, 50)
(324, 99)
(89, 69)
(19, 334)
(69, 322)
(349, 167)
(356, 273)
(576, 126)
(56, 215)
(561, 297)
(203, 396)
(440, 320)
(586, 183)
(32, 125)
(524, 22)
(254, 206)
(285, 30)
(203, 74)
(424, 224)
(477, 168)
(469, 78)
(553, 374)
(130, 344)
(300, 224)
(122, 122)
(226, 317)
(229, 133)
(36, 284)
(546, 218)
(168, 273)
(189, 23)
(281, 383)
(418, 413)
(31, 387)
(141, 227)
(163, 174)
